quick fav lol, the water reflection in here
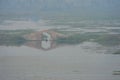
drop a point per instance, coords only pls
(51, 39)
(43, 45)
(46, 44)
(44, 40)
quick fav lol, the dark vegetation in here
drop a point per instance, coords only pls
(13, 37)
(101, 38)
(76, 38)
(117, 52)
(109, 40)
(116, 72)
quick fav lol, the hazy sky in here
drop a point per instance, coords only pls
(85, 6)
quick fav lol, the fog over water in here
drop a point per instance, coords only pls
(60, 40)
(46, 60)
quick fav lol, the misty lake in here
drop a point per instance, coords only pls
(59, 50)
(64, 63)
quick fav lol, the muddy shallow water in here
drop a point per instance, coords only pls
(64, 63)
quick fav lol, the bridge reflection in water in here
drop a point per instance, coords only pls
(44, 40)
(45, 43)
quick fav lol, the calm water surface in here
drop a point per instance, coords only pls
(75, 62)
